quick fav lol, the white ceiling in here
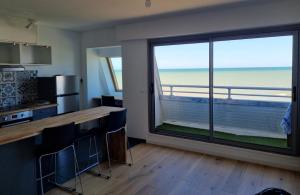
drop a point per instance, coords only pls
(89, 14)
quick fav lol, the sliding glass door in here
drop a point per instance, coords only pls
(252, 87)
(237, 89)
(181, 77)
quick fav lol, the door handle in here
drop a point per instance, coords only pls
(151, 88)
(294, 94)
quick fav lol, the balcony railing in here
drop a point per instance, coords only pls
(227, 91)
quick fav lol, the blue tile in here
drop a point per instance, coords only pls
(8, 77)
(18, 87)
(8, 90)
(11, 101)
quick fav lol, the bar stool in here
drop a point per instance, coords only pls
(116, 122)
(54, 141)
(108, 101)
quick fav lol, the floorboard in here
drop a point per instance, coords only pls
(160, 170)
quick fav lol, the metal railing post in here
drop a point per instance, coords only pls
(229, 93)
(171, 90)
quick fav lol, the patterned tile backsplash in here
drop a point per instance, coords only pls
(17, 87)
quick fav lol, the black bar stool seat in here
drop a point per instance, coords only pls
(108, 101)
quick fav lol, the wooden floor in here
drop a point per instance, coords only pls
(160, 170)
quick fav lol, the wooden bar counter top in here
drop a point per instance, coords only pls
(30, 129)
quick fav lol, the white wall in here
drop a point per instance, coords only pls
(94, 80)
(65, 52)
(135, 90)
(114, 51)
(99, 38)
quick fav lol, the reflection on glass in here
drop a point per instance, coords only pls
(252, 89)
(181, 75)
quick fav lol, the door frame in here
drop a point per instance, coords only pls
(231, 35)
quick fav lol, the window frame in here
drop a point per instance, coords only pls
(294, 30)
(113, 75)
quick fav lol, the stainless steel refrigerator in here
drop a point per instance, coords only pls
(63, 90)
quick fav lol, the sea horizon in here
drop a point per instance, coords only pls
(229, 68)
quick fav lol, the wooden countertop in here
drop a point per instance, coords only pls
(116, 98)
(28, 108)
(30, 129)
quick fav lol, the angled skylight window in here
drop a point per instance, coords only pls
(115, 67)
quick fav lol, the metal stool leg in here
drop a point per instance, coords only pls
(92, 143)
(130, 153)
(108, 154)
(97, 156)
(41, 175)
(107, 149)
(98, 160)
(90, 148)
(54, 167)
(77, 170)
(49, 174)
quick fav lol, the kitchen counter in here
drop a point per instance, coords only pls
(116, 98)
(27, 108)
(30, 129)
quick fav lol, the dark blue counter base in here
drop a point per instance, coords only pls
(17, 168)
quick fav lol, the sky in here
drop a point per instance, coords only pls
(245, 53)
(117, 63)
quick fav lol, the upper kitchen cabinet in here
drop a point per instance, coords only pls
(35, 54)
(24, 54)
(9, 53)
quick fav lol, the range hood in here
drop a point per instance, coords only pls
(7, 68)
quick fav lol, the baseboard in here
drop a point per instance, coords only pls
(135, 141)
(242, 154)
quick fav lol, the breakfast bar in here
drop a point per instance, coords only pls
(17, 148)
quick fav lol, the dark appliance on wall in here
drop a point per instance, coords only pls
(15, 118)
(63, 90)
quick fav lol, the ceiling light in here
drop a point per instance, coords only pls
(148, 3)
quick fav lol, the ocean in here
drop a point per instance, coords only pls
(250, 77)
(275, 77)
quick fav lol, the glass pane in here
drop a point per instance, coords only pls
(117, 68)
(181, 75)
(252, 89)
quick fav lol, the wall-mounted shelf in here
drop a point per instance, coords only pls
(35, 54)
(24, 54)
(9, 53)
